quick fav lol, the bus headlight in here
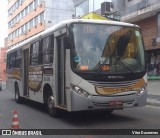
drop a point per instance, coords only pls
(142, 89)
(80, 91)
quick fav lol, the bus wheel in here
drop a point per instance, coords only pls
(18, 99)
(109, 111)
(53, 111)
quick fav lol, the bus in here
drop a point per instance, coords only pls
(80, 64)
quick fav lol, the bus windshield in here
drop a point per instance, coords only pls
(107, 48)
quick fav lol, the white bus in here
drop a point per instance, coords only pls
(80, 65)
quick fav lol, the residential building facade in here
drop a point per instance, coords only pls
(3, 51)
(146, 14)
(29, 17)
(83, 7)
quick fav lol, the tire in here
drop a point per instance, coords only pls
(108, 111)
(53, 111)
(18, 99)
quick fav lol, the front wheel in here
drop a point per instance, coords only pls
(53, 111)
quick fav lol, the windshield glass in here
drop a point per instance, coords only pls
(107, 48)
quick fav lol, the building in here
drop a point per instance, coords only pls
(146, 14)
(3, 62)
(29, 17)
(83, 7)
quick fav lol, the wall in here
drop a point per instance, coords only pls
(149, 30)
(3, 64)
(56, 11)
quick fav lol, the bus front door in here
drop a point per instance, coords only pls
(61, 79)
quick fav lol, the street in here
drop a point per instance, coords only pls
(35, 116)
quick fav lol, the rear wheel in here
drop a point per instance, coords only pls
(18, 99)
(109, 111)
(53, 111)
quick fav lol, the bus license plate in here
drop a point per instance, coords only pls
(115, 103)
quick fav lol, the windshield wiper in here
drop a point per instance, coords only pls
(102, 64)
(123, 63)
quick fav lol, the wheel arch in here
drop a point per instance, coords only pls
(47, 91)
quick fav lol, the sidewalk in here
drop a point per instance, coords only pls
(153, 93)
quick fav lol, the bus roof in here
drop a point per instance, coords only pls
(67, 22)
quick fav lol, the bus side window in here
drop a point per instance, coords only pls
(47, 49)
(40, 54)
(18, 59)
(12, 61)
(34, 53)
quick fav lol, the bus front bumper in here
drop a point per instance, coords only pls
(79, 103)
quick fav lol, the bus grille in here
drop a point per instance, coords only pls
(114, 84)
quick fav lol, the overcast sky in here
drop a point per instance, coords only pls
(3, 21)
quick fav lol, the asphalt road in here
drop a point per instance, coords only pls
(34, 116)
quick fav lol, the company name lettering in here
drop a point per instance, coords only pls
(35, 76)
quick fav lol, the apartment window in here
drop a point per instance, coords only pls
(16, 33)
(16, 4)
(18, 1)
(31, 7)
(13, 34)
(9, 12)
(39, 19)
(9, 24)
(35, 4)
(23, 29)
(158, 25)
(42, 17)
(26, 10)
(18, 17)
(14, 7)
(26, 26)
(15, 19)
(20, 30)
(31, 23)
(36, 20)
(9, 37)
(22, 13)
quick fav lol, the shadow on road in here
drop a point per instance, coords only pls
(85, 118)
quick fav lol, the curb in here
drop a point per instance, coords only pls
(153, 102)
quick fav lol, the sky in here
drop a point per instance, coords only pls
(3, 21)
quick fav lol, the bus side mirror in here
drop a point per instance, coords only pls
(66, 42)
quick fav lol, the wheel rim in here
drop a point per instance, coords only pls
(51, 104)
(16, 94)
